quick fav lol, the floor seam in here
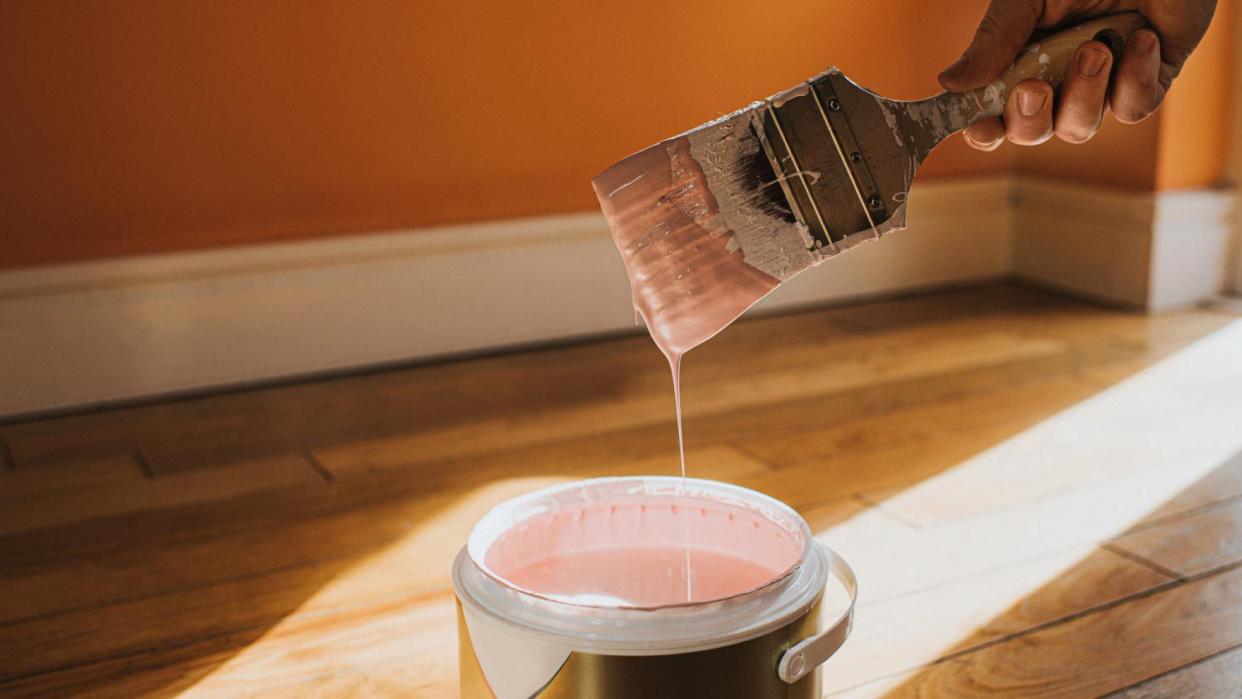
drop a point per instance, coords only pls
(1052, 623)
(1183, 514)
(878, 506)
(143, 464)
(1171, 671)
(748, 453)
(1140, 560)
(316, 464)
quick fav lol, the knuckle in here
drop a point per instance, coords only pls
(990, 26)
(1054, 11)
(1139, 82)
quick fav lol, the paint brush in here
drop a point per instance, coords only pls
(711, 221)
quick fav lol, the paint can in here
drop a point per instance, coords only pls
(579, 591)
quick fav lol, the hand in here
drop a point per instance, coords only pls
(1151, 60)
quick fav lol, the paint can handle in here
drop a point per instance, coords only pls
(802, 658)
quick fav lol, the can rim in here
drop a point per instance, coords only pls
(622, 630)
(500, 518)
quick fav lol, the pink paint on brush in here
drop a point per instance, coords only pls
(629, 552)
(695, 294)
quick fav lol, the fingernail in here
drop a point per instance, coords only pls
(1091, 62)
(982, 145)
(1143, 41)
(1029, 103)
(955, 71)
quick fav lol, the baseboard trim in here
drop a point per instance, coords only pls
(119, 330)
(1156, 251)
(79, 334)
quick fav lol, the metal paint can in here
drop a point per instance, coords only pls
(766, 640)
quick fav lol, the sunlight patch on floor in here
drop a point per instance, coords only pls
(376, 614)
(1018, 515)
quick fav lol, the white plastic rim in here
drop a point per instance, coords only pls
(620, 630)
(595, 524)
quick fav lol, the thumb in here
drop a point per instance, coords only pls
(1005, 29)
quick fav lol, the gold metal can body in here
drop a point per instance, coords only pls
(745, 670)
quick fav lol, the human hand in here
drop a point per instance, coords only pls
(1151, 60)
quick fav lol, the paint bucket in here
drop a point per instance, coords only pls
(580, 590)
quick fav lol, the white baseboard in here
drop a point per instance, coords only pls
(1155, 251)
(80, 334)
(960, 231)
(1191, 247)
(1235, 286)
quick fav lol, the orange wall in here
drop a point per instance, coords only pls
(1197, 119)
(1120, 155)
(139, 126)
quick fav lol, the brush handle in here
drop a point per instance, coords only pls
(1049, 59)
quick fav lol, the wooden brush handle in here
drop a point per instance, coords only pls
(1050, 59)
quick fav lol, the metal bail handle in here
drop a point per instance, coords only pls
(802, 659)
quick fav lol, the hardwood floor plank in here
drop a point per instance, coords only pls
(1222, 485)
(894, 560)
(764, 383)
(409, 651)
(899, 634)
(1191, 545)
(64, 478)
(976, 422)
(1096, 653)
(1214, 677)
(1180, 413)
(128, 496)
(834, 511)
(307, 546)
(7, 465)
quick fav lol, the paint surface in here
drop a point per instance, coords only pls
(631, 553)
(641, 577)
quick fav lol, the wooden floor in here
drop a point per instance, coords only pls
(1041, 498)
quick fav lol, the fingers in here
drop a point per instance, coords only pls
(1030, 109)
(1028, 119)
(1028, 113)
(1004, 30)
(1137, 90)
(1080, 106)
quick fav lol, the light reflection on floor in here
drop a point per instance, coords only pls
(1030, 508)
